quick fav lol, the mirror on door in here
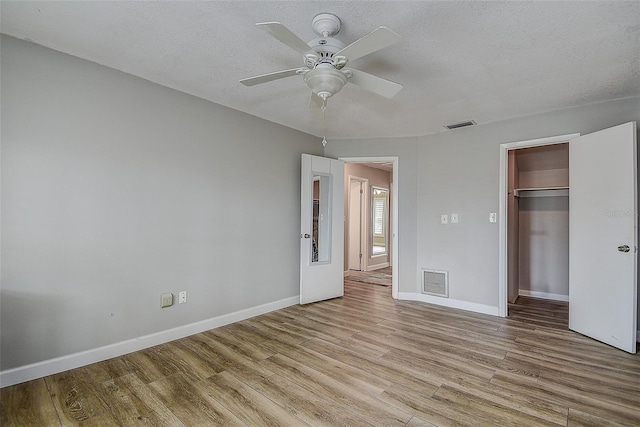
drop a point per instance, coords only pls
(379, 220)
(321, 233)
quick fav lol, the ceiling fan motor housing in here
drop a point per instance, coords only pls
(328, 46)
(326, 25)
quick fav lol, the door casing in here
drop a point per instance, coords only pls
(502, 209)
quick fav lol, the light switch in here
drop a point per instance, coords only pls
(444, 219)
(454, 218)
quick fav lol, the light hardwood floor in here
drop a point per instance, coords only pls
(363, 359)
(542, 312)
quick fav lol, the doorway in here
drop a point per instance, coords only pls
(602, 226)
(538, 235)
(386, 253)
(541, 190)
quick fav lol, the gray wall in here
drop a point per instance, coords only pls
(115, 189)
(544, 244)
(458, 172)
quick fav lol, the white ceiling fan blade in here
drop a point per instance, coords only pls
(315, 101)
(378, 85)
(264, 78)
(375, 40)
(282, 33)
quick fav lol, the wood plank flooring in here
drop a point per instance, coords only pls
(536, 311)
(360, 360)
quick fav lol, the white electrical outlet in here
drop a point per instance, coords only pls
(454, 218)
(493, 217)
(444, 219)
(182, 297)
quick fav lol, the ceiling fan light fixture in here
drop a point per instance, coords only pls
(325, 81)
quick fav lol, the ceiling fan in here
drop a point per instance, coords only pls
(326, 58)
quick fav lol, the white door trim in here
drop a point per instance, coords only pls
(502, 208)
(394, 207)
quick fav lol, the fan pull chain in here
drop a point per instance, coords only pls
(324, 123)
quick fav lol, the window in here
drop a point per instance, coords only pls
(379, 220)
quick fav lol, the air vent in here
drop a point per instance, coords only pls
(435, 282)
(461, 125)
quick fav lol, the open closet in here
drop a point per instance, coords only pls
(572, 198)
(538, 222)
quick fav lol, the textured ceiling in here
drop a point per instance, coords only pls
(485, 61)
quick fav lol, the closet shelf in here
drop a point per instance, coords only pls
(541, 192)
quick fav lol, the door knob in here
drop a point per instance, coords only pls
(623, 248)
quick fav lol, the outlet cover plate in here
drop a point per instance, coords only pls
(182, 297)
(166, 300)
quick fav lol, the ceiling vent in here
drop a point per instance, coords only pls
(461, 125)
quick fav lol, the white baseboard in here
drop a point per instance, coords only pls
(544, 295)
(76, 360)
(377, 266)
(448, 302)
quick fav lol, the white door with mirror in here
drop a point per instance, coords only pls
(322, 229)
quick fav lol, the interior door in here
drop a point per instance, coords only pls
(355, 225)
(603, 236)
(322, 229)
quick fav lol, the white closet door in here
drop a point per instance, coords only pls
(602, 227)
